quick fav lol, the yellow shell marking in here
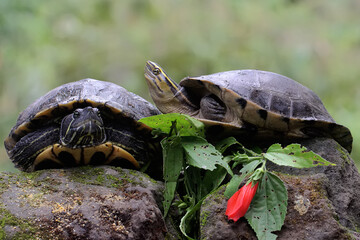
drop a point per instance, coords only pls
(84, 155)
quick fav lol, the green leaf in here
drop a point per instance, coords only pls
(257, 175)
(188, 221)
(172, 166)
(256, 150)
(193, 182)
(268, 208)
(185, 125)
(212, 180)
(250, 167)
(233, 185)
(244, 158)
(169, 193)
(236, 180)
(294, 155)
(241, 158)
(224, 144)
(201, 154)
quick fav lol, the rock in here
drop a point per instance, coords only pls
(342, 183)
(323, 201)
(82, 203)
(113, 203)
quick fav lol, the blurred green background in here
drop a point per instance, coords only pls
(44, 44)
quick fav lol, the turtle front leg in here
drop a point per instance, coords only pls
(212, 108)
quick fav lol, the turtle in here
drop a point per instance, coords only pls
(253, 103)
(87, 122)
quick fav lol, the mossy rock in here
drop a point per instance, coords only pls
(81, 203)
(323, 201)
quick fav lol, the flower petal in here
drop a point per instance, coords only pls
(239, 203)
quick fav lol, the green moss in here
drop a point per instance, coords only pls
(48, 189)
(125, 175)
(24, 180)
(31, 175)
(135, 173)
(25, 229)
(87, 175)
(344, 154)
(151, 180)
(100, 179)
(204, 216)
(218, 195)
(117, 182)
(3, 185)
(96, 176)
(148, 177)
(348, 236)
(128, 176)
(357, 229)
(29, 180)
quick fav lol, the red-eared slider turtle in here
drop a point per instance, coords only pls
(79, 123)
(261, 104)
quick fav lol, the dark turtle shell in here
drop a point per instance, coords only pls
(266, 100)
(33, 143)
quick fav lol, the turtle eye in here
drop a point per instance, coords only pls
(156, 71)
(76, 114)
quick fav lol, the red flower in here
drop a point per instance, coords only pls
(239, 203)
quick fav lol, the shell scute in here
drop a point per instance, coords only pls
(271, 101)
(261, 97)
(119, 108)
(281, 106)
(299, 109)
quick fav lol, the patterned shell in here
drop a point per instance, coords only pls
(270, 100)
(86, 92)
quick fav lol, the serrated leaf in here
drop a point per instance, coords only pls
(268, 207)
(236, 180)
(185, 125)
(201, 154)
(294, 155)
(172, 165)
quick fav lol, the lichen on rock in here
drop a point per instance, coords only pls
(323, 201)
(81, 203)
(113, 203)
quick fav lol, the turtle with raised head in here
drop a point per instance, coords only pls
(80, 123)
(255, 104)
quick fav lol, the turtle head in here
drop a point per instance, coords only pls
(167, 95)
(84, 127)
